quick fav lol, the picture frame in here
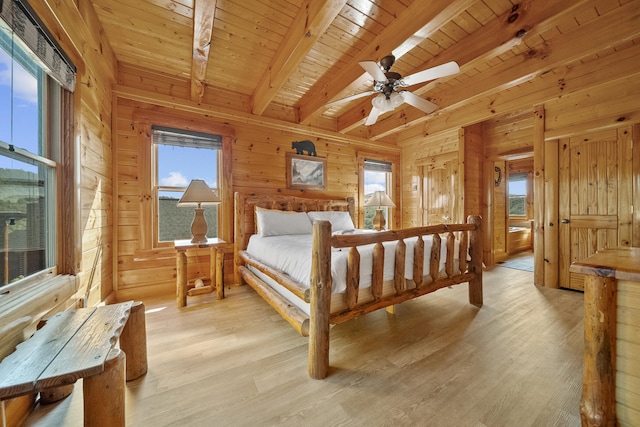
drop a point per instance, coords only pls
(306, 172)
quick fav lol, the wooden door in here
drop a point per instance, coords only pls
(593, 185)
(438, 193)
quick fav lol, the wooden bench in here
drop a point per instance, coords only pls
(82, 344)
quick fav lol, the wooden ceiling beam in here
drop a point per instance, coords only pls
(203, 14)
(527, 19)
(233, 117)
(609, 30)
(435, 14)
(312, 20)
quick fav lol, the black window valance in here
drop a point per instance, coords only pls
(17, 17)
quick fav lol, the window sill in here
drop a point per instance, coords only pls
(24, 303)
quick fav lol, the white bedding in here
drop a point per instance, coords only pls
(292, 255)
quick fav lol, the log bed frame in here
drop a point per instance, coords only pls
(317, 325)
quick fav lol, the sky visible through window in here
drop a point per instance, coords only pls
(374, 181)
(177, 166)
(518, 186)
(18, 109)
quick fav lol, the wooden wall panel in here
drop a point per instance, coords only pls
(258, 164)
(499, 214)
(416, 154)
(474, 146)
(508, 136)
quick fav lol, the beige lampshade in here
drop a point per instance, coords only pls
(197, 193)
(380, 199)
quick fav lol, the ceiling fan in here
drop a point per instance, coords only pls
(387, 84)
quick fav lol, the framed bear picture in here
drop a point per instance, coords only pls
(306, 172)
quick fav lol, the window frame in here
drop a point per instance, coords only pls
(157, 188)
(393, 187)
(56, 152)
(526, 198)
(143, 120)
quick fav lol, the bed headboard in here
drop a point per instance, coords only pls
(245, 205)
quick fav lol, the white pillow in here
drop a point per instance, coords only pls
(340, 220)
(276, 223)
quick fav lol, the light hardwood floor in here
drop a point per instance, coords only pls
(437, 362)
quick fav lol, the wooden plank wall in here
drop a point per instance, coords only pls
(596, 94)
(258, 166)
(416, 154)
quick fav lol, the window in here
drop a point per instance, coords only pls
(180, 156)
(31, 115)
(377, 177)
(517, 194)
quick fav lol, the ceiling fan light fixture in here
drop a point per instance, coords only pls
(385, 105)
(396, 98)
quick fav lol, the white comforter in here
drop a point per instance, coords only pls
(292, 254)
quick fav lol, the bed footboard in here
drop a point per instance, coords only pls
(321, 281)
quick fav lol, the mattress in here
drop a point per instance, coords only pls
(292, 255)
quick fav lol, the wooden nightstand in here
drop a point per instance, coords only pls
(216, 270)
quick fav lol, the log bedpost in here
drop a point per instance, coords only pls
(320, 300)
(475, 246)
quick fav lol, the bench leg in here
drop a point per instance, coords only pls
(104, 393)
(55, 394)
(133, 341)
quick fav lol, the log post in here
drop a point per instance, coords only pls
(377, 273)
(353, 278)
(320, 300)
(463, 252)
(181, 278)
(398, 271)
(418, 262)
(598, 404)
(104, 393)
(219, 277)
(448, 266)
(475, 267)
(434, 266)
(133, 341)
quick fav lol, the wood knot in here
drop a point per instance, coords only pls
(512, 18)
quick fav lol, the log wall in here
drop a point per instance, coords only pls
(596, 94)
(258, 163)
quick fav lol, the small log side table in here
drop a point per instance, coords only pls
(216, 269)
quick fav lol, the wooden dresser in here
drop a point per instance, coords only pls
(611, 381)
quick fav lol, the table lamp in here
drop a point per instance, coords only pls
(379, 199)
(198, 193)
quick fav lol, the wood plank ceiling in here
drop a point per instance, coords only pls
(286, 59)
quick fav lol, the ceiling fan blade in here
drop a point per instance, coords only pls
(430, 74)
(374, 70)
(419, 103)
(373, 117)
(352, 97)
